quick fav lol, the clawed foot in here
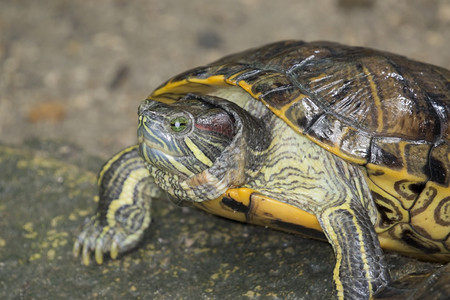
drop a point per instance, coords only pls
(101, 239)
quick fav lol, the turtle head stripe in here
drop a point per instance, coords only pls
(198, 144)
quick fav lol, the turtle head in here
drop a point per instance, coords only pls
(195, 148)
(184, 138)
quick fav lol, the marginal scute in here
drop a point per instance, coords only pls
(200, 72)
(281, 96)
(442, 212)
(344, 139)
(386, 153)
(243, 74)
(389, 211)
(403, 188)
(427, 197)
(302, 113)
(443, 111)
(416, 154)
(440, 164)
(414, 240)
(226, 70)
(430, 212)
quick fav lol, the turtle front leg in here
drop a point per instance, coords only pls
(123, 212)
(360, 270)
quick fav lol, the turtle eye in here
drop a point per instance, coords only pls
(179, 124)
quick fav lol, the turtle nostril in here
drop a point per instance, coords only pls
(146, 107)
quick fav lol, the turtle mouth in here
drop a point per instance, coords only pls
(150, 153)
(158, 157)
(150, 146)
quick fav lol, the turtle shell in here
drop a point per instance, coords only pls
(379, 110)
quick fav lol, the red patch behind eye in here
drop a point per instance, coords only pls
(219, 122)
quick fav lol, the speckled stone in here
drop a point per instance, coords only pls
(47, 190)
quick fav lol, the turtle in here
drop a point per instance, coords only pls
(345, 144)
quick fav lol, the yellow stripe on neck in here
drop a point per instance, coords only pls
(198, 153)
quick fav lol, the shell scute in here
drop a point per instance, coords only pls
(440, 164)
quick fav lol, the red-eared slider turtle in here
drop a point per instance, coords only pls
(341, 143)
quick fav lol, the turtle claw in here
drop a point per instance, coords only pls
(114, 252)
(84, 250)
(99, 253)
(85, 255)
(97, 238)
(76, 249)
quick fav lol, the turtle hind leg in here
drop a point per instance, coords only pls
(432, 285)
(123, 212)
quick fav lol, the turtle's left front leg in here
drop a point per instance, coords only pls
(360, 269)
(123, 213)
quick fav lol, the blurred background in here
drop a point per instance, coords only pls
(72, 74)
(77, 70)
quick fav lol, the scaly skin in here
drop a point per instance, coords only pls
(123, 212)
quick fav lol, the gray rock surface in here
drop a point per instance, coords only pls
(47, 191)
